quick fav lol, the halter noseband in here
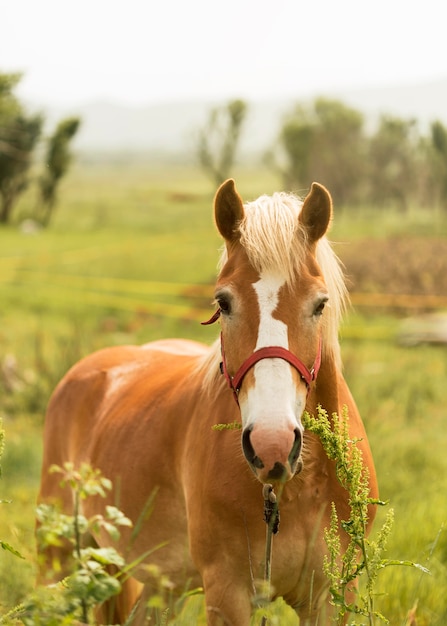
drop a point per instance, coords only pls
(270, 352)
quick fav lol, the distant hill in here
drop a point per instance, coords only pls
(171, 128)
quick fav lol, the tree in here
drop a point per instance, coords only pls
(338, 149)
(439, 143)
(324, 142)
(19, 134)
(297, 137)
(57, 161)
(218, 140)
(392, 161)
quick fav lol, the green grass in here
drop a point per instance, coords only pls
(400, 394)
(117, 267)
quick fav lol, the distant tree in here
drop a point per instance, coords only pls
(218, 140)
(297, 137)
(324, 142)
(9, 104)
(57, 161)
(19, 134)
(338, 150)
(393, 162)
(439, 144)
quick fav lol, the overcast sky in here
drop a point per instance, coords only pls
(142, 51)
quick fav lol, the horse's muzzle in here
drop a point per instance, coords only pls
(272, 455)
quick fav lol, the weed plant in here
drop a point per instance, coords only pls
(363, 557)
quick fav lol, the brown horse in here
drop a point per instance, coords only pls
(144, 416)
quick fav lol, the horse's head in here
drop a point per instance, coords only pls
(271, 293)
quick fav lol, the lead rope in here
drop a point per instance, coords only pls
(271, 518)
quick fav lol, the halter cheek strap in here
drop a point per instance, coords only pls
(270, 352)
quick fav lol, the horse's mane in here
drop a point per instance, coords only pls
(274, 239)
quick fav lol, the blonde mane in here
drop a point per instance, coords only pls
(269, 233)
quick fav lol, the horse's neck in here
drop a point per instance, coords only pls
(326, 392)
(319, 474)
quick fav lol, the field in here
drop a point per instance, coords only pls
(131, 256)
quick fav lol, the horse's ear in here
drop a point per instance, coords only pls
(316, 212)
(228, 210)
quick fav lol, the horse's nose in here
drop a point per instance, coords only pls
(272, 454)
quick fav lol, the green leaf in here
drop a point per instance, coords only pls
(111, 529)
(117, 517)
(9, 548)
(418, 566)
(93, 586)
(104, 556)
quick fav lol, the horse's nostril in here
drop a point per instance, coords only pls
(278, 472)
(249, 450)
(296, 448)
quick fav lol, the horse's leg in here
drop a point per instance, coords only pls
(227, 599)
(117, 609)
(226, 605)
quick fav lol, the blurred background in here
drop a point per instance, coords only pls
(117, 123)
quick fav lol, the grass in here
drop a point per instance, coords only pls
(117, 267)
(400, 394)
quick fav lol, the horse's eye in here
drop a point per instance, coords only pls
(320, 307)
(224, 304)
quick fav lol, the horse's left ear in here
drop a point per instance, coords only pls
(228, 210)
(316, 212)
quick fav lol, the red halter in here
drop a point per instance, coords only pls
(271, 352)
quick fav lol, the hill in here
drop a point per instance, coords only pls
(171, 127)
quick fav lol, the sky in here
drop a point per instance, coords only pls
(145, 51)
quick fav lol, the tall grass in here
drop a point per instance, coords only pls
(400, 395)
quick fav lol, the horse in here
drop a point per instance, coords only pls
(145, 416)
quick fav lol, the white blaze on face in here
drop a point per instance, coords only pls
(273, 401)
(271, 332)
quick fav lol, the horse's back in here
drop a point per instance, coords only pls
(116, 376)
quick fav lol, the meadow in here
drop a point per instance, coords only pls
(131, 257)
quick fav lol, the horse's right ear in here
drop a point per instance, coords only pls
(228, 210)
